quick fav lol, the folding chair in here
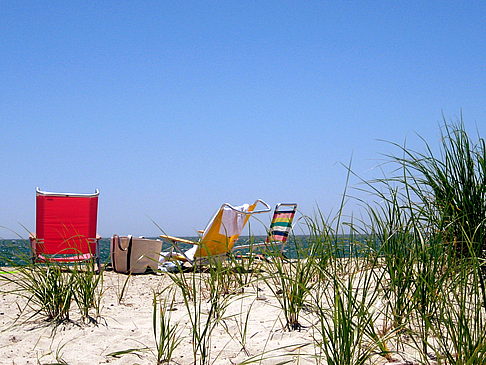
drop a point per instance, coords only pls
(65, 227)
(279, 230)
(219, 236)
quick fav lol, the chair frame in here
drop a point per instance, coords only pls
(182, 256)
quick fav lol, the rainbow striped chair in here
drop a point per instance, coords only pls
(281, 223)
(279, 230)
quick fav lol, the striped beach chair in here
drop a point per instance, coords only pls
(279, 230)
(281, 224)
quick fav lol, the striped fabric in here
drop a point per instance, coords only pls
(281, 224)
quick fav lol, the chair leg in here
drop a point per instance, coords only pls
(98, 264)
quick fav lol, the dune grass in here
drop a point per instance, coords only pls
(291, 282)
(49, 289)
(206, 298)
(88, 290)
(166, 333)
(450, 188)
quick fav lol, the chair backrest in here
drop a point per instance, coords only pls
(281, 223)
(66, 223)
(219, 238)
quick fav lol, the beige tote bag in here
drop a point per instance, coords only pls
(132, 255)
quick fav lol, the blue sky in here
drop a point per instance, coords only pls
(172, 107)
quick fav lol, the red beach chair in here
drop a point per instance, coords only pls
(65, 227)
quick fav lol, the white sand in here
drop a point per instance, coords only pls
(128, 325)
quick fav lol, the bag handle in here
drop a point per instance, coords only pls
(129, 253)
(117, 241)
(120, 243)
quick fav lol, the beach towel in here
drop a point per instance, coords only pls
(232, 221)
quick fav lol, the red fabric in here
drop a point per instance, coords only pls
(66, 224)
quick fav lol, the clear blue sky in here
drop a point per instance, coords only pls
(172, 107)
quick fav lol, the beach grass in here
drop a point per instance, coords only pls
(88, 289)
(205, 299)
(50, 288)
(291, 281)
(47, 289)
(166, 333)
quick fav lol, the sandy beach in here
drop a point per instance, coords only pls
(128, 324)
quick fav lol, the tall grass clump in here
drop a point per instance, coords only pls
(414, 261)
(346, 293)
(206, 299)
(48, 289)
(291, 281)
(166, 334)
(429, 224)
(323, 243)
(459, 327)
(450, 187)
(391, 229)
(223, 278)
(348, 319)
(88, 289)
